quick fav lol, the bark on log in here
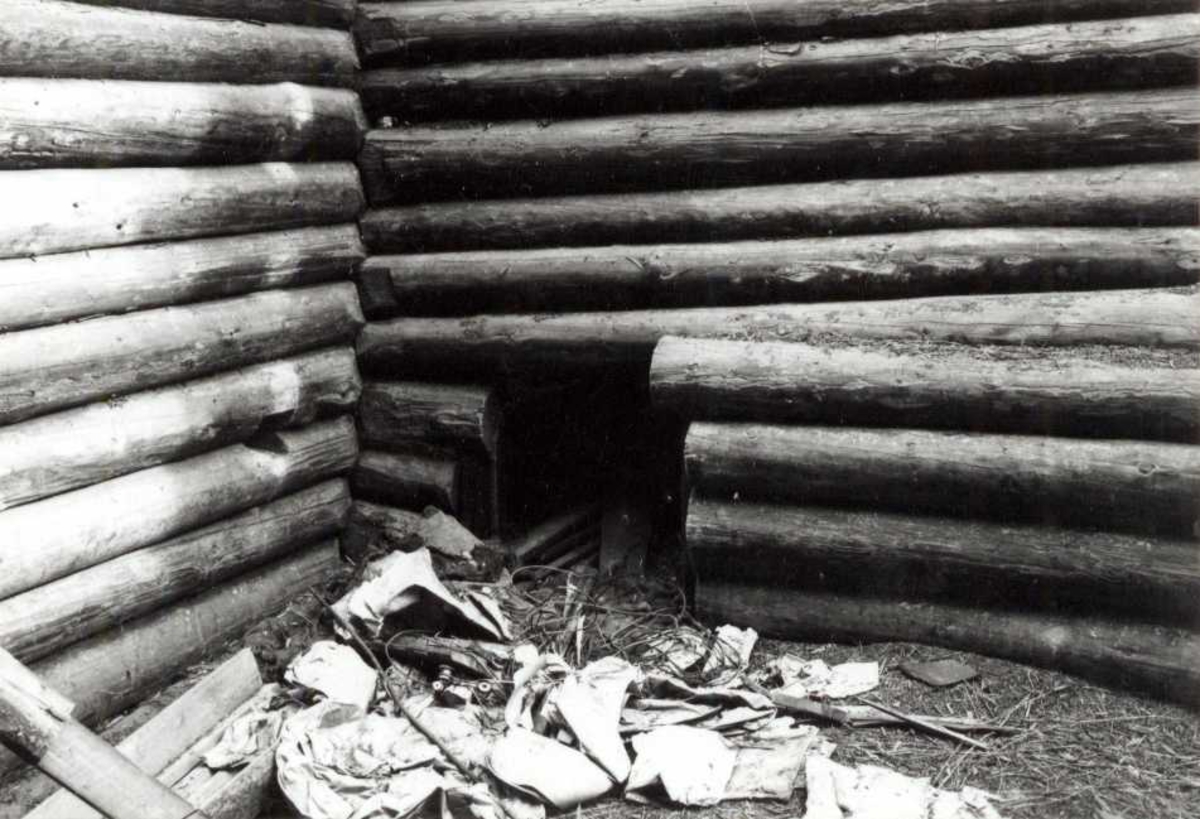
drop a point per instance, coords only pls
(65, 286)
(76, 448)
(939, 558)
(45, 619)
(88, 123)
(52, 368)
(1060, 394)
(735, 147)
(372, 528)
(447, 30)
(1131, 53)
(413, 481)
(110, 672)
(321, 13)
(890, 265)
(1131, 196)
(1156, 660)
(393, 414)
(57, 211)
(1119, 485)
(55, 537)
(1151, 318)
(48, 38)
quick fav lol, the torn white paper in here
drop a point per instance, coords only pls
(335, 671)
(691, 765)
(872, 792)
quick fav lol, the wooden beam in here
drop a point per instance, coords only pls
(372, 527)
(321, 13)
(395, 413)
(407, 480)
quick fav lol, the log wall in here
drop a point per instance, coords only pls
(177, 370)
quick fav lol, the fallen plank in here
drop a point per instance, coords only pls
(539, 540)
(413, 481)
(327, 13)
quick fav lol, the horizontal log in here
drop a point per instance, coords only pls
(46, 619)
(1111, 54)
(52, 368)
(1152, 318)
(1156, 660)
(1143, 486)
(64, 286)
(58, 536)
(121, 667)
(1131, 196)
(1027, 391)
(941, 558)
(57, 211)
(715, 148)
(890, 265)
(445, 30)
(373, 528)
(392, 414)
(59, 123)
(325, 13)
(48, 38)
(413, 481)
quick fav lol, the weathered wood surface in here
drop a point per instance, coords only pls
(1111, 54)
(1156, 660)
(52, 368)
(67, 533)
(392, 414)
(938, 558)
(407, 480)
(64, 286)
(68, 450)
(539, 540)
(48, 38)
(447, 30)
(57, 211)
(915, 386)
(56, 123)
(324, 13)
(1162, 317)
(712, 148)
(1130, 196)
(1143, 486)
(372, 528)
(889, 265)
(44, 620)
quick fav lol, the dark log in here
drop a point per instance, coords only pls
(1130, 196)
(890, 265)
(941, 558)
(52, 368)
(1156, 660)
(713, 148)
(88, 123)
(372, 529)
(1151, 318)
(64, 286)
(49, 38)
(393, 414)
(56, 211)
(1120, 485)
(323, 13)
(43, 620)
(447, 30)
(58, 536)
(1113, 54)
(1026, 391)
(413, 481)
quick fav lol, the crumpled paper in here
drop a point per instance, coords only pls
(335, 671)
(251, 733)
(647, 714)
(547, 769)
(588, 703)
(691, 765)
(816, 679)
(872, 792)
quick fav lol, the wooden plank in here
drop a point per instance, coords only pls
(407, 480)
(541, 538)
(325, 13)
(395, 413)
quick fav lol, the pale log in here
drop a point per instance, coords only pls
(735, 147)
(1061, 393)
(889, 265)
(392, 414)
(1111, 484)
(407, 480)
(57, 211)
(52, 538)
(55, 123)
(52, 368)
(45, 619)
(446, 30)
(1152, 659)
(49, 38)
(325, 13)
(1111, 54)
(1155, 194)
(64, 286)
